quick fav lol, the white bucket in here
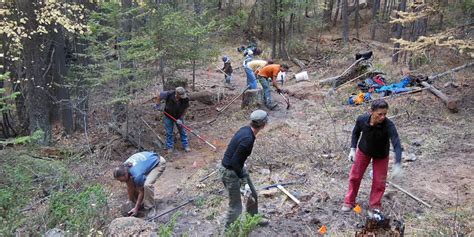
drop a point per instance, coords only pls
(302, 76)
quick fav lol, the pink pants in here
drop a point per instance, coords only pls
(380, 168)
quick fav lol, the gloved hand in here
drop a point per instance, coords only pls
(179, 122)
(158, 107)
(279, 90)
(352, 154)
(397, 171)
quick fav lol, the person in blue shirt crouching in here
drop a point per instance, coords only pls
(140, 171)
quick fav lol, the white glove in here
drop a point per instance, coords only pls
(179, 122)
(397, 171)
(352, 154)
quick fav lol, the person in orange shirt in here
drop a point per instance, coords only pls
(266, 75)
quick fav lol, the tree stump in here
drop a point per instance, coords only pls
(252, 98)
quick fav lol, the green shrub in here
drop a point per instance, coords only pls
(78, 212)
(243, 225)
(167, 229)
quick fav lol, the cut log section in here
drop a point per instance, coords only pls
(252, 98)
(452, 104)
(205, 97)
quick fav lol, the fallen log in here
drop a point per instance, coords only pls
(347, 74)
(451, 70)
(298, 62)
(452, 104)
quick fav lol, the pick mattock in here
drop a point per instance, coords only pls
(191, 131)
(287, 100)
(232, 101)
(227, 106)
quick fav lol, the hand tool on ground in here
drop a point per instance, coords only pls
(267, 187)
(287, 100)
(191, 131)
(153, 131)
(409, 194)
(289, 194)
(207, 176)
(172, 209)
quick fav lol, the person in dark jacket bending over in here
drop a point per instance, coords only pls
(232, 170)
(373, 146)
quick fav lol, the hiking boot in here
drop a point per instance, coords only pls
(346, 208)
(187, 149)
(271, 106)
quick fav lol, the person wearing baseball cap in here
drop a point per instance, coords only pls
(176, 104)
(232, 170)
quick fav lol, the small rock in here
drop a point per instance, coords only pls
(55, 232)
(268, 193)
(410, 157)
(416, 143)
(324, 196)
(315, 221)
(265, 171)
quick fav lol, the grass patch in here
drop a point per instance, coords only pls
(39, 194)
(243, 225)
(167, 229)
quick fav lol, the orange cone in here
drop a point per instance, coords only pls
(357, 209)
(323, 230)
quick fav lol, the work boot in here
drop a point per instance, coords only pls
(187, 149)
(346, 208)
(271, 106)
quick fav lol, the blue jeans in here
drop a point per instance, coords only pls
(228, 78)
(267, 96)
(169, 127)
(251, 80)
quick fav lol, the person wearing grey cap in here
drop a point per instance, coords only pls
(176, 104)
(232, 170)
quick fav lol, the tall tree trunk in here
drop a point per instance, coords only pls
(37, 102)
(357, 18)
(59, 74)
(336, 14)
(384, 9)
(126, 26)
(327, 12)
(398, 32)
(375, 10)
(345, 23)
(274, 27)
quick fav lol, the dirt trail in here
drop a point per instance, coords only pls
(310, 142)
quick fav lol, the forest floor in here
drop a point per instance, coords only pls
(310, 142)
